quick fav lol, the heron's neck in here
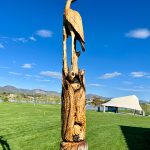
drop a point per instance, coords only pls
(68, 4)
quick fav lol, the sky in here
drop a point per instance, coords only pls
(117, 41)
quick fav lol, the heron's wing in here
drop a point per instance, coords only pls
(74, 18)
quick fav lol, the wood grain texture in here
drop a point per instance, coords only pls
(73, 110)
(74, 146)
(72, 19)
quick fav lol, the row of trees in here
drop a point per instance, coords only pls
(4, 97)
(146, 108)
(29, 98)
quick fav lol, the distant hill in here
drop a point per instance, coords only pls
(12, 89)
(8, 89)
(90, 96)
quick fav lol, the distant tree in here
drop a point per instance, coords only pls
(97, 101)
(5, 98)
(4, 93)
(146, 108)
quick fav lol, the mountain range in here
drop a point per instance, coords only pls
(12, 89)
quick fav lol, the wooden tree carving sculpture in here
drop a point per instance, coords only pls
(73, 85)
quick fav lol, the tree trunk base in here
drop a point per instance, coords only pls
(74, 145)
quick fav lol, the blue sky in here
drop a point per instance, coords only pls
(117, 36)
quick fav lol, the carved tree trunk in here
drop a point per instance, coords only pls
(73, 104)
(73, 112)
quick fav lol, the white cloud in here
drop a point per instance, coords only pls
(139, 33)
(135, 89)
(27, 66)
(51, 74)
(130, 90)
(138, 74)
(139, 87)
(110, 75)
(28, 75)
(2, 46)
(95, 85)
(15, 73)
(20, 39)
(37, 76)
(44, 33)
(32, 38)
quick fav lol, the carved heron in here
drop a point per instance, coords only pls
(72, 26)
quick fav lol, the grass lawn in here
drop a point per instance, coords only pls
(29, 127)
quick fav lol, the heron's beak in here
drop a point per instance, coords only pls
(73, 1)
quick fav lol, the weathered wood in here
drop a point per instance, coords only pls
(73, 19)
(74, 145)
(65, 66)
(73, 110)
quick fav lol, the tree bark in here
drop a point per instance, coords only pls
(73, 98)
(73, 108)
(74, 145)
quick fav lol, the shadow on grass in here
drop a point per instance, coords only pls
(4, 144)
(136, 138)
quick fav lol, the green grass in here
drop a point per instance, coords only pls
(29, 127)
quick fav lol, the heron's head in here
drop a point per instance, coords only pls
(73, 1)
